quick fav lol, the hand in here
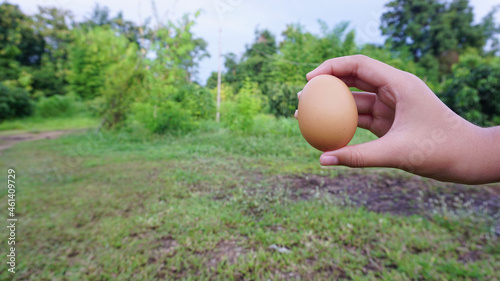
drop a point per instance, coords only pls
(417, 131)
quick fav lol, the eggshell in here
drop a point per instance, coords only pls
(327, 113)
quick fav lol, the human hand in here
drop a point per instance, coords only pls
(417, 131)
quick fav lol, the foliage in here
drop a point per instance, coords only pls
(100, 17)
(14, 103)
(239, 113)
(18, 40)
(282, 98)
(167, 87)
(473, 89)
(21, 47)
(58, 106)
(108, 66)
(279, 69)
(197, 99)
(166, 117)
(54, 25)
(435, 30)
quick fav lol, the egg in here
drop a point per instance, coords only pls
(327, 113)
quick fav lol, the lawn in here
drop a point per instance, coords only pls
(219, 205)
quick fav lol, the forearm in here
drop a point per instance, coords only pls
(480, 161)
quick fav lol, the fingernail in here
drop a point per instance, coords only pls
(298, 94)
(296, 114)
(327, 160)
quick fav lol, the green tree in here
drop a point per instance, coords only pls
(473, 89)
(108, 67)
(176, 102)
(20, 44)
(256, 61)
(54, 25)
(299, 53)
(435, 31)
(101, 17)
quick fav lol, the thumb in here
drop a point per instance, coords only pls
(376, 153)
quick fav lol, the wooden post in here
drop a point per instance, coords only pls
(217, 117)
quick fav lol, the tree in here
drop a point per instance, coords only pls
(54, 25)
(100, 17)
(170, 101)
(255, 62)
(472, 90)
(20, 44)
(435, 30)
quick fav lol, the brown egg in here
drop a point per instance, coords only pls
(327, 113)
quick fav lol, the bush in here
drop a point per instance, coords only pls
(198, 99)
(166, 117)
(58, 106)
(14, 102)
(472, 89)
(282, 98)
(239, 114)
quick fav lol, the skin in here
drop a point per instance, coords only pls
(417, 131)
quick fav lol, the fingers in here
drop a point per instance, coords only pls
(365, 121)
(364, 101)
(296, 114)
(359, 67)
(377, 153)
(358, 83)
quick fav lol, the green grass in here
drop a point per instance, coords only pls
(208, 206)
(38, 124)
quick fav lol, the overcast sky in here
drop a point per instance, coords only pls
(239, 18)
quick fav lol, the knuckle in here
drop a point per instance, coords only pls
(355, 159)
(360, 57)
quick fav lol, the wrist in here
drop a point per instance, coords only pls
(479, 160)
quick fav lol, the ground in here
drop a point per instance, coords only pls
(218, 205)
(7, 141)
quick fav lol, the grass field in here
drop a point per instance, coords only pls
(217, 205)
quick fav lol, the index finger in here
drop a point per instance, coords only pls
(368, 70)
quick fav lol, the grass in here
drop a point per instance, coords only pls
(209, 205)
(38, 124)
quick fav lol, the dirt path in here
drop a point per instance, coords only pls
(10, 140)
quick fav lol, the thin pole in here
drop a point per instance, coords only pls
(217, 117)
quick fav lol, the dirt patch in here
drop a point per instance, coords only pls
(10, 140)
(225, 250)
(401, 196)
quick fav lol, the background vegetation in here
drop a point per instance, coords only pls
(51, 64)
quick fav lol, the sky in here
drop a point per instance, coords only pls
(238, 19)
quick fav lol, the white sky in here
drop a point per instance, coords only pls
(239, 18)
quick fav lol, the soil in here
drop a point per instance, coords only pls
(381, 193)
(10, 140)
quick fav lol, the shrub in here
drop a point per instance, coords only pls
(283, 98)
(58, 106)
(161, 118)
(239, 114)
(472, 89)
(14, 102)
(198, 99)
